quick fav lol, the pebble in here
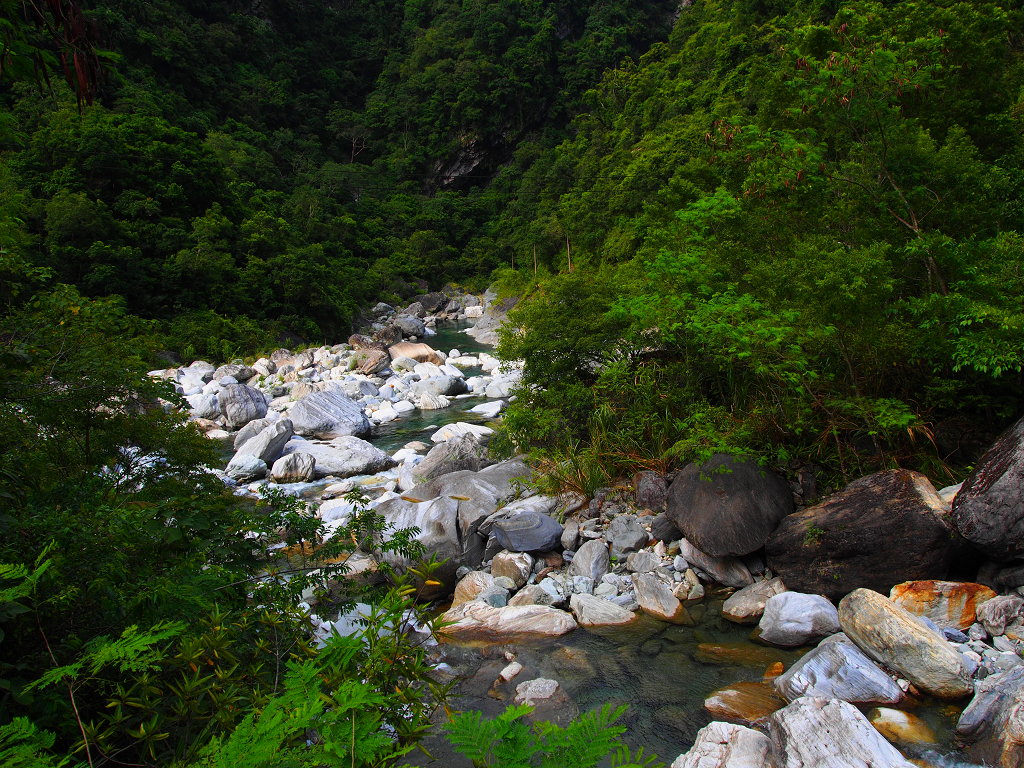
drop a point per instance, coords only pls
(511, 671)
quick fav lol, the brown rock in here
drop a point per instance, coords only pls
(879, 531)
(359, 341)
(748, 704)
(371, 361)
(421, 353)
(950, 604)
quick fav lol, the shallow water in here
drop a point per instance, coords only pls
(661, 672)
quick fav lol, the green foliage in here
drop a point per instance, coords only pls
(509, 742)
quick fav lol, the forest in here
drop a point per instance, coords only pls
(790, 230)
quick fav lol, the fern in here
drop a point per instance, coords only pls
(509, 742)
(22, 745)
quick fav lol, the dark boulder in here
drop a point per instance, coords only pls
(728, 506)
(988, 511)
(361, 341)
(388, 336)
(528, 532)
(879, 531)
(651, 491)
(664, 529)
(990, 725)
(432, 301)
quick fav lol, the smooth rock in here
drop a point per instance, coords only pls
(241, 404)
(438, 523)
(477, 619)
(245, 468)
(250, 431)
(828, 733)
(510, 672)
(901, 727)
(839, 670)
(747, 605)
(988, 510)
(951, 604)
(744, 703)
(792, 618)
(458, 454)
(594, 611)
(419, 353)
(591, 560)
(570, 534)
(625, 534)
(270, 443)
(329, 414)
(656, 599)
(726, 745)
(893, 637)
(879, 531)
(430, 401)
(728, 506)
(533, 594)
(528, 532)
(294, 468)
(459, 429)
(724, 570)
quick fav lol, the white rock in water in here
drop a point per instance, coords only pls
(828, 733)
(725, 745)
(293, 468)
(532, 690)
(244, 468)
(329, 414)
(793, 618)
(488, 410)
(430, 402)
(458, 429)
(476, 618)
(511, 671)
(838, 670)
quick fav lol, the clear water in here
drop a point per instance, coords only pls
(661, 672)
(418, 424)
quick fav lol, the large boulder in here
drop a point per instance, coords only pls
(431, 301)
(421, 353)
(725, 745)
(477, 619)
(828, 733)
(294, 468)
(438, 524)
(250, 431)
(793, 618)
(988, 511)
(839, 670)
(241, 404)
(470, 586)
(343, 456)
(893, 637)
(950, 604)
(245, 467)
(270, 443)
(329, 414)
(409, 325)
(992, 725)
(728, 506)
(528, 532)
(204, 406)
(513, 565)
(593, 611)
(443, 385)
(650, 490)
(371, 361)
(747, 605)
(880, 530)
(663, 529)
(455, 455)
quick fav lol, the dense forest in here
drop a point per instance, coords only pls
(791, 230)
